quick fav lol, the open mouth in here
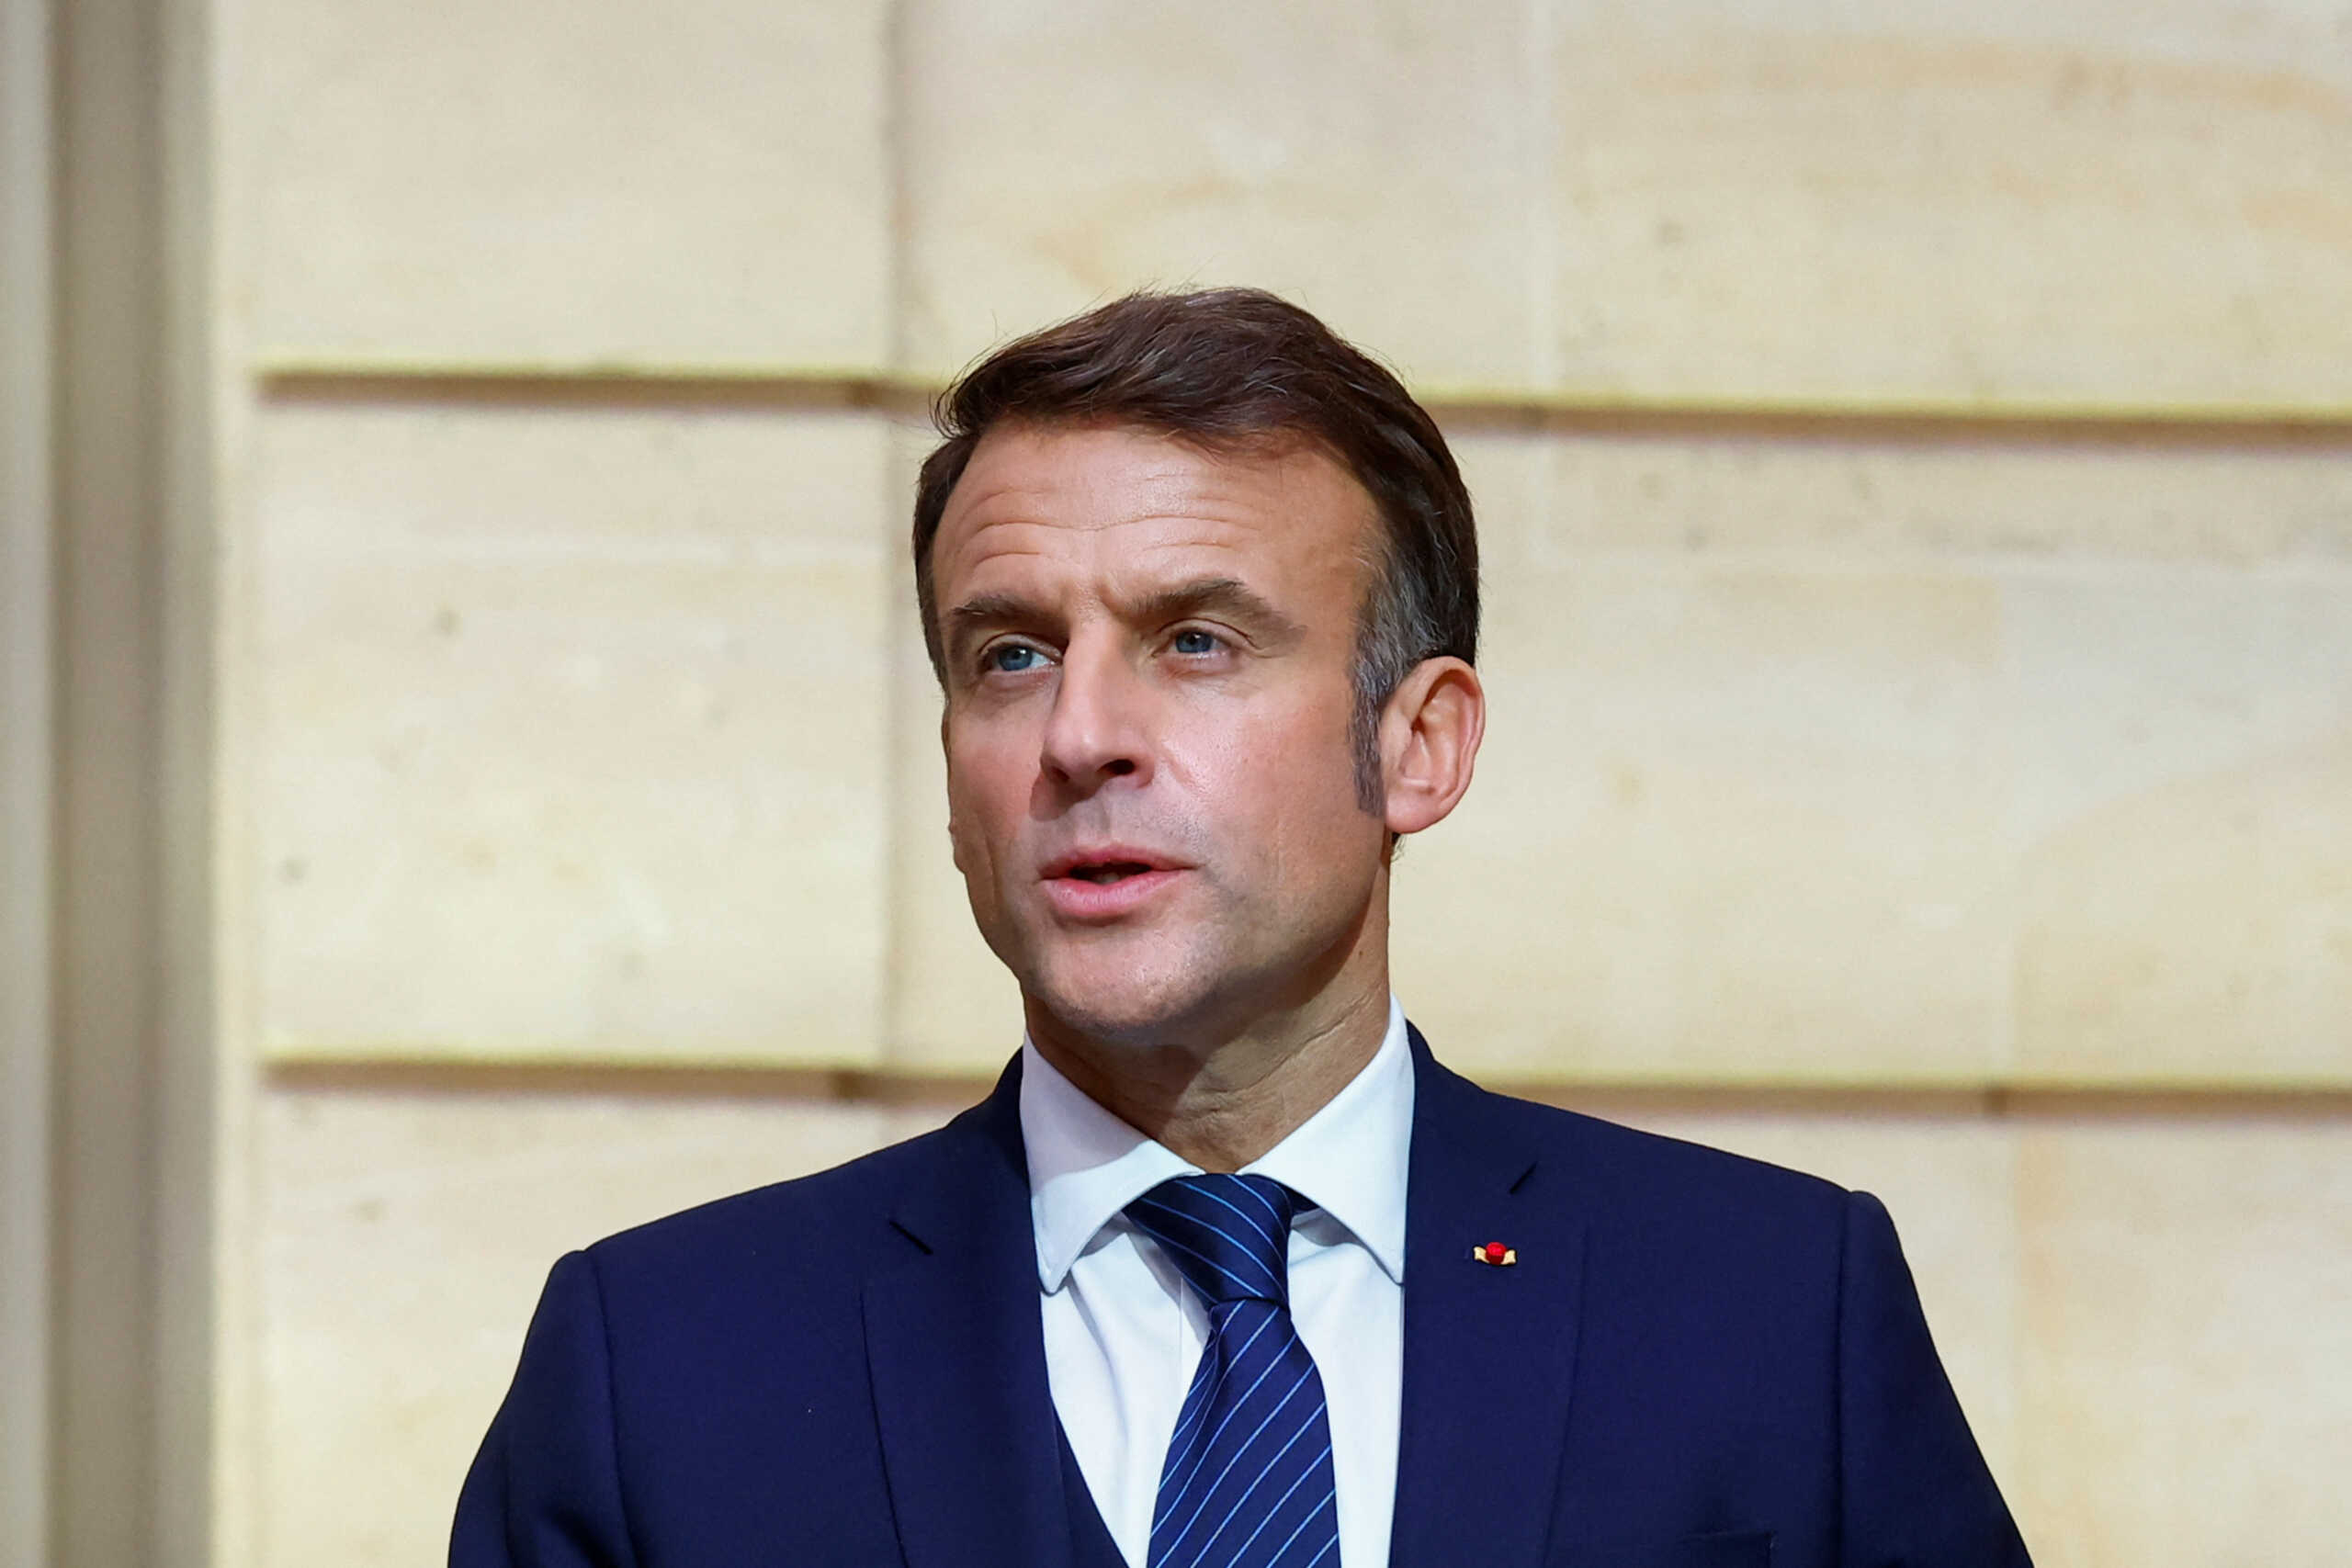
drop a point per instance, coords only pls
(1104, 872)
(1108, 881)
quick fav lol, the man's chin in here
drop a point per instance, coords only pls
(1134, 1004)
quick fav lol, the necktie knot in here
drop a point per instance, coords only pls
(1228, 1235)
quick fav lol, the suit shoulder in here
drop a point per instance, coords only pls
(1630, 1166)
(805, 1217)
(1684, 1227)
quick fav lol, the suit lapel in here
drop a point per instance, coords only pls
(957, 1358)
(1489, 1352)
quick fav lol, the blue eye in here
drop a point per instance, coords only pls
(1012, 658)
(1196, 642)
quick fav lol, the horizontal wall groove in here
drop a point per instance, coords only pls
(2013, 1098)
(301, 377)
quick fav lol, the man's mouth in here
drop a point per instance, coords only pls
(1104, 873)
(1100, 878)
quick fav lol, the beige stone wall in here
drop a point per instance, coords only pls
(1915, 455)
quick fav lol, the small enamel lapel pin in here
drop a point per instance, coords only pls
(1496, 1253)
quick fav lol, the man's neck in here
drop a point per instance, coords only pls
(1224, 1106)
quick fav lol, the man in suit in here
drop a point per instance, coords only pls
(1227, 1269)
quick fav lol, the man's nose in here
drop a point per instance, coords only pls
(1096, 731)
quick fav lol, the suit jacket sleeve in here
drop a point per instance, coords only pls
(1915, 1488)
(545, 1490)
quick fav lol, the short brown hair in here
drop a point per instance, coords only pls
(1229, 369)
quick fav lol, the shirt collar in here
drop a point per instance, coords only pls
(1348, 1159)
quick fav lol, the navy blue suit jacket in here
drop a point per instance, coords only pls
(1698, 1360)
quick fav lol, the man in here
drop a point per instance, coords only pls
(1227, 1269)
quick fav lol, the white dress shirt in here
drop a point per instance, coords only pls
(1124, 1335)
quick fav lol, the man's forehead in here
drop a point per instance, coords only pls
(1121, 492)
(1120, 580)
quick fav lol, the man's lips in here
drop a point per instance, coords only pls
(1107, 862)
(1104, 882)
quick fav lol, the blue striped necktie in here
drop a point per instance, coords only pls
(1248, 1483)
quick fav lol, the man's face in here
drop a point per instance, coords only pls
(1151, 791)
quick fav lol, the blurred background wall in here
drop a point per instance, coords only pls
(473, 770)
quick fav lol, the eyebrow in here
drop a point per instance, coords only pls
(990, 610)
(1228, 596)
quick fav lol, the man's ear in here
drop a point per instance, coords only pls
(1430, 731)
